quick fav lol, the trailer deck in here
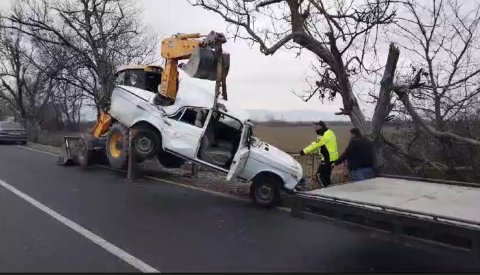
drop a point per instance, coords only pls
(402, 210)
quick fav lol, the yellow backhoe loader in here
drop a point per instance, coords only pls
(206, 60)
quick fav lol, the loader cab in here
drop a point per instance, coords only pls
(145, 77)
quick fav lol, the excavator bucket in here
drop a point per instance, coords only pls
(203, 64)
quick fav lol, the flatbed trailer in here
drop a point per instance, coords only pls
(412, 212)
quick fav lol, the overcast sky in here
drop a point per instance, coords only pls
(255, 81)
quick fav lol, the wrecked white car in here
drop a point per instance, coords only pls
(191, 129)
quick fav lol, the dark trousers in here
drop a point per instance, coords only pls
(323, 174)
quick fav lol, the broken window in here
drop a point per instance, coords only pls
(178, 115)
(192, 116)
(120, 80)
(229, 121)
(189, 116)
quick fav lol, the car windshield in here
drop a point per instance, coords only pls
(6, 125)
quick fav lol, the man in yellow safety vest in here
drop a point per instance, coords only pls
(325, 144)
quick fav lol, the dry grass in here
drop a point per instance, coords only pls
(295, 138)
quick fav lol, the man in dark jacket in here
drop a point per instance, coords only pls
(360, 157)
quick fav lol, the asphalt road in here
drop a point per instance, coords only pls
(171, 228)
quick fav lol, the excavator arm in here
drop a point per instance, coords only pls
(202, 58)
(174, 49)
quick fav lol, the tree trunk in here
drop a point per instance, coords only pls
(383, 107)
(358, 119)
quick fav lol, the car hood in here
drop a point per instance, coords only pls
(275, 157)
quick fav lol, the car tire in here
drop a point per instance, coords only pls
(265, 191)
(117, 146)
(23, 143)
(146, 143)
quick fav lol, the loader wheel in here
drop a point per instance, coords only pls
(84, 156)
(146, 143)
(117, 146)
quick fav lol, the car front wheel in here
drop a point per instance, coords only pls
(146, 142)
(265, 191)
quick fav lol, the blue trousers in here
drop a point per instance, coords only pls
(362, 174)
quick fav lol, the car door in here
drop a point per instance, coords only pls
(242, 154)
(184, 130)
(127, 106)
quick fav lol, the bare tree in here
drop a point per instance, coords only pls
(441, 39)
(341, 34)
(68, 102)
(25, 85)
(98, 34)
(5, 110)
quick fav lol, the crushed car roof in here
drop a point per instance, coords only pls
(196, 92)
(193, 92)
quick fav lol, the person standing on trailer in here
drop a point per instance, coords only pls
(360, 156)
(325, 145)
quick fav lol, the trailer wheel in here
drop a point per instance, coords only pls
(117, 146)
(265, 190)
(146, 143)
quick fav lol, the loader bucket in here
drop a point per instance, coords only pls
(203, 64)
(82, 150)
(67, 156)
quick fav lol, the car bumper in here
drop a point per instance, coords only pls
(13, 138)
(292, 188)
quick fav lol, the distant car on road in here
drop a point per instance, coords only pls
(12, 132)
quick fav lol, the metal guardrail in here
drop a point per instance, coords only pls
(309, 163)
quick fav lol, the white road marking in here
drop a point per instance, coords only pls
(39, 151)
(120, 253)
